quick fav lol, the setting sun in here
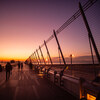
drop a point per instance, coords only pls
(46, 59)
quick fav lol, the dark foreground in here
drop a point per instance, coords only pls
(27, 85)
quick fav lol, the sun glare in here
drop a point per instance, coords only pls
(46, 59)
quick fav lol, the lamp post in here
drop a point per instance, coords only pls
(71, 63)
(71, 58)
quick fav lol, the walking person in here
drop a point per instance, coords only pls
(8, 69)
(30, 65)
(19, 65)
(0, 68)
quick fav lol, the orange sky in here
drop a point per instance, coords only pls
(25, 25)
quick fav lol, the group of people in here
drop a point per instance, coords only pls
(9, 69)
(20, 65)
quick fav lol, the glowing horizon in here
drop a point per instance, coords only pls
(26, 24)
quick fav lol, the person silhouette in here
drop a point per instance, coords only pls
(0, 68)
(8, 69)
(19, 65)
(30, 65)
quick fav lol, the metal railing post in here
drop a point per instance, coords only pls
(59, 48)
(33, 58)
(48, 52)
(42, 55)
(61, 73)
(91, 39)
(38, 56)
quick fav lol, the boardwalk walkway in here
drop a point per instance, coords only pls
(27, 85)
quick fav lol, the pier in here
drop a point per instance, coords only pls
(49, 74)
(27, 85)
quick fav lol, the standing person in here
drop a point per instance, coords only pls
(0, 68)
(30, 64)
(8, 69)
(18, 64)
(21, 66)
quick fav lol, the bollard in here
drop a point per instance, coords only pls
(61, 81)
(81, 81)
(48, 75)
(55, 78)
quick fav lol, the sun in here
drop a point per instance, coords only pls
(46, 59)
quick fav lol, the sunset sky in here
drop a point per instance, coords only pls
(25, 24)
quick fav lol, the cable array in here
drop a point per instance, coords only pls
(86, 6)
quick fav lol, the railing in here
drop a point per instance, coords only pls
(35, 57)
